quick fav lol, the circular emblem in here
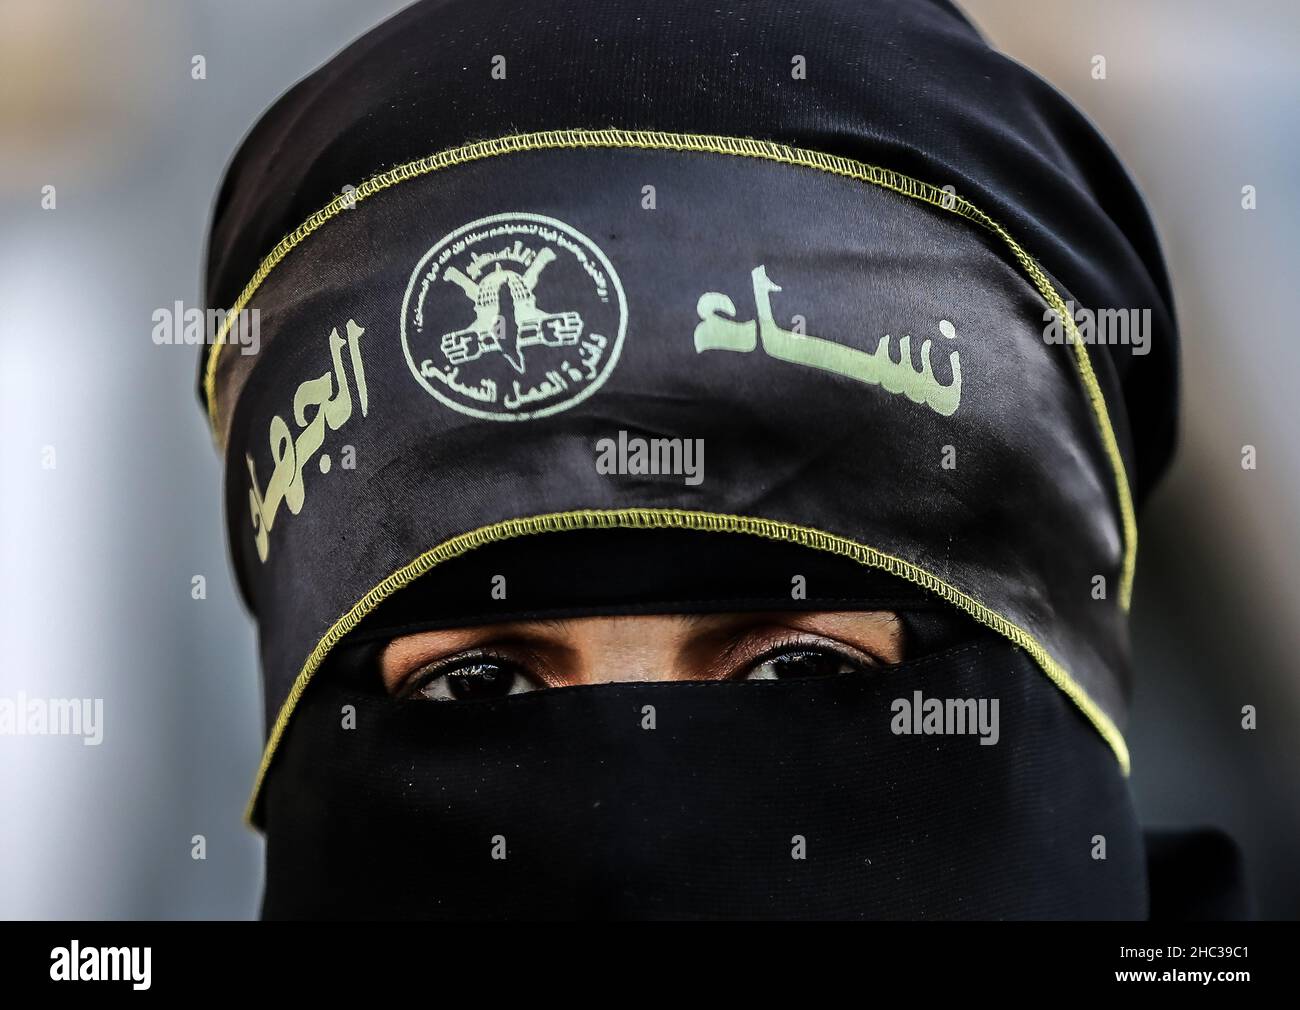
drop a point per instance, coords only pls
(512, 317)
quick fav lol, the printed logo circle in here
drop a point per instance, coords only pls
(512, 317)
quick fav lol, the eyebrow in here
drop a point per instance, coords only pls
(562, 623)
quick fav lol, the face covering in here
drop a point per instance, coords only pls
(678, 332)
(686, 800)
(628, 816)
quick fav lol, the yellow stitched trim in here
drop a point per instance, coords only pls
(740, 147)
(645, 518)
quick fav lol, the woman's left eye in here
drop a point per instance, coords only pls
(801, 662)
(473, 680)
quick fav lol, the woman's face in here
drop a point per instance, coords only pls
(500, 659)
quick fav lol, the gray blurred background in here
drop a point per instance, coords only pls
(99, 553)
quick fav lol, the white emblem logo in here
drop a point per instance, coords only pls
(512, 317)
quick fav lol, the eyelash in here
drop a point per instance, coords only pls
(427, 674)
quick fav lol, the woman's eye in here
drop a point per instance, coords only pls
(801, 663)
(473, 680)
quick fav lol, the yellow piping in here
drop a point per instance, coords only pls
(645, 518)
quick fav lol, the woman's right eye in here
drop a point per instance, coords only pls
(471, 680)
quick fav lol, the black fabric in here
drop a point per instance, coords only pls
(908, 84)
(697, 818)
(1197, 875)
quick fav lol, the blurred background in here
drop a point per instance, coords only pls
(101, 550)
